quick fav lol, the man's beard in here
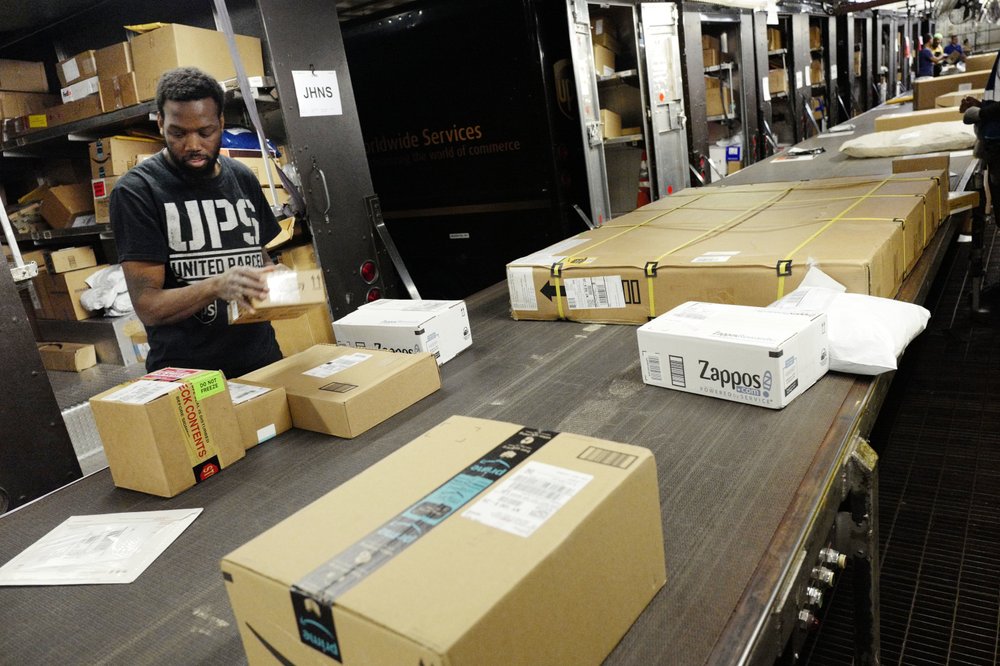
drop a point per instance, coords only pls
(206, 170)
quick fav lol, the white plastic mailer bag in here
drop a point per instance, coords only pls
(929, 138)
(867, 334)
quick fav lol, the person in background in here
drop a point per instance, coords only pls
(954, 47)
(925, 59)
(190, 227)
(937, 48)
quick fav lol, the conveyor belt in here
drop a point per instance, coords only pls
(738, 486)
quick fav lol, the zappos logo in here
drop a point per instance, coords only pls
(766, 382)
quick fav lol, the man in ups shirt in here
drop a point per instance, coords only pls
(190, 227)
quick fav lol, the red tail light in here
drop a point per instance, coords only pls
(369, 271)
(373, 294)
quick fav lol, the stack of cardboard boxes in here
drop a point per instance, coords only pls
(110, 158)
(61, 280)
(23, 93)
(605, 42)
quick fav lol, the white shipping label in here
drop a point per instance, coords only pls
(521, 285)
(142, 391)
(765, 89)
(283, 287)
(337, 365)
(833, 71)
(240, 393)
(592, 293)
(964, 86)
(550, 255)
(525, 500)
(807, 77)
(71, 70)
(798, 79)
(714, 257)
(266, 433)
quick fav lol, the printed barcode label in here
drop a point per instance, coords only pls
(608, 457)
(521, 285)
(240, 393)
(523, 502)
(653, 367)
(602, 292)
(677, 371)
(433, 342)
(142, 391)
(337, 364)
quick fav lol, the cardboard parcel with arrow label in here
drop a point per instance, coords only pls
(744, 245)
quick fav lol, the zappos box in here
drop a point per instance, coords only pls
(405, 326)
(262, 412)
(735, 352)
(344, 392)
(478, 543)
(169, 430)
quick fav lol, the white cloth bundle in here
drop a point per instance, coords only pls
(929, 138)
(107, 291)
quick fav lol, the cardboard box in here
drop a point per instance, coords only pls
(256, 164)
(26, 124)
(87, 107)
(291, 294)
(23, 76)
(604, 61)
(15, 104)
(300, 257)
(69, 259)
(175, 45)
(101, 189)
(747, 244)
(113, 60)
(67, 356)
(80, 89)
(119, 92)
(344, 392)
(777, 81)
(980, 62)
(815, 37)
(64, 291)
(744, 354)
(857, 63)
(168, 431)
(261, 411)
(718, 98)
(817, 73)
(711, 57)
(710, 42)
(114, 155)
(607, 40)
(775, 40)
(954, 99)
(62, 204)
(926, 91)
(299, 334)
(432, 603)
(611, 124)
(81, 66)
(895, 121)
(405, 326)
(602, 24)
(732, 166)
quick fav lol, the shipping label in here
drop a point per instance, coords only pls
(595, 293)
(337, 365)
(141, 391)
(240, 393)
(521, 285)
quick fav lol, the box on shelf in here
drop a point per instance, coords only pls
(256, 164)
(168, 431)
(775, 40)
(86, 107)
(604, 60)
(175, 45)
(80, 89)
(300, 257)
(23, 76)
(64, 291)
(344, 392)
(895, 121)
(816, 72)
(15, 104)
(62, 204)
(711, 42)
(611, 124)
(815, 37)
(15, 127)
(753, 355)
(926, 91)
(101, 189)
(119, 92)
(602, 23)
(114, 60)
(777, 81)
(405, 326)
(67, 356)
(69, 259)
(857, 63)
(262, 412)
(299, 334)
(741, 244)
(80, 66)
(114, 155)
(711, 57)
(291, 294)
(718, 97)
(432, 603)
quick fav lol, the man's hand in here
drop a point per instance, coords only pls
(242, 284)
(968, 103)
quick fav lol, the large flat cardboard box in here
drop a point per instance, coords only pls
(980, 61)
(926, 91)
(752, 355)
(261, 411)
(113, 60)
(23, 76)
(406, 327)
(166, 432)
(64, 291)
(955, 98)
(14, 104)
(60, 114)
(62, 204)
(81, 66)
(604, 60)
(291, 294)
(894, 121)
(67, 356)
(258, 165)
(114, 155)
(70, 259)
(175, 45)
(299, 334)
(564, 525)
(344, 392)
(119, 92)
(745, 245)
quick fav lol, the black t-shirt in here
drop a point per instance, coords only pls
(197, 229)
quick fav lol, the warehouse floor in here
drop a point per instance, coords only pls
(938, 438)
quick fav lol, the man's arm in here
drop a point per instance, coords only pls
(157, 306)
